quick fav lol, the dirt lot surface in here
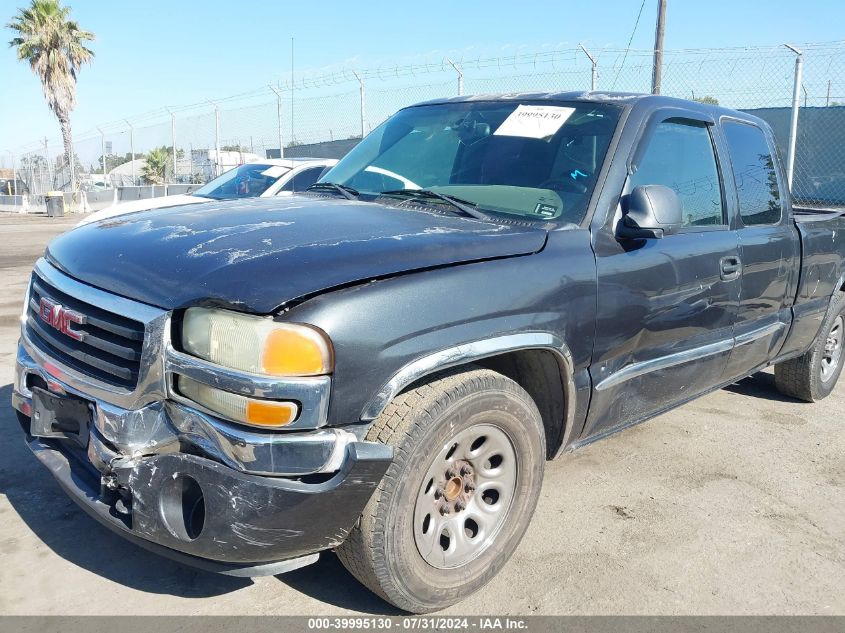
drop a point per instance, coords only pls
(730, 505)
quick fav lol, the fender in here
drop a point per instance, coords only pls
(478, 350)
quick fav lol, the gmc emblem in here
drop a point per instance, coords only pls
(57, 316)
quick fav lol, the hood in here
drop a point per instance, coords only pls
(255, 255)
(133, 206)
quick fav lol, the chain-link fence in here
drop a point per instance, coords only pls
(320, 113)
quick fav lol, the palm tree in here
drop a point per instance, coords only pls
(155, 165)
(54, 46)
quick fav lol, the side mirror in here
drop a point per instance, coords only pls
(651, 211)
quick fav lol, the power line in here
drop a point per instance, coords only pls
(627, 48)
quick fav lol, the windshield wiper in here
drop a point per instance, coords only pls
(464, 206)
(347, 192)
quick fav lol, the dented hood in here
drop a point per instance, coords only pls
(259, 254)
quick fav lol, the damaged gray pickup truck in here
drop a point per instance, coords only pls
(381, 365)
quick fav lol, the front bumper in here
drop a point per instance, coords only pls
(190, 490)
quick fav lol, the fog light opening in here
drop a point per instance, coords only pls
(183, 507)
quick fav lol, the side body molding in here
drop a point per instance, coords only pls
(478, 350)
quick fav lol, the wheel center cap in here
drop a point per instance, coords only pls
(453, 488)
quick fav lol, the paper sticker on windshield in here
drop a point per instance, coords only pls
(275, 171)
(534, 121)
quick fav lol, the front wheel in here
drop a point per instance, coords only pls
(813, 376)
(469, 452)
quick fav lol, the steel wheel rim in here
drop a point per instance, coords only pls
(453, 527)
(832, 349)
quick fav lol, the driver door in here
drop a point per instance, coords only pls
(666, 307)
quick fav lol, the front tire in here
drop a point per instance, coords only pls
(813, 376)
(468, 463)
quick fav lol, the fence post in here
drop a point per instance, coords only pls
(595, 71)
(131, 150)
(460, 76)
(363, 115)
(279, 116)
(793, 125)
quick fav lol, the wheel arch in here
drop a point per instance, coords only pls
(540, 362)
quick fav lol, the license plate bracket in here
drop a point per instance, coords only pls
(60, 416)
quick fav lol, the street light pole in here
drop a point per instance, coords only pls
(216, 137)
(103, 150)
(363, 115)
(278, 94)
(132, 149)
(173, 139)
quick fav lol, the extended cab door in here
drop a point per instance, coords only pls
(666, 306)
(768, 246)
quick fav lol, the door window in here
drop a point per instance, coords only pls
(754, 171)
(679, 155)
(303, 180)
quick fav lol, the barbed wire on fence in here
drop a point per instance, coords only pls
(320, 107)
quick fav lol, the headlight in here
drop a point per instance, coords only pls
(256, 344)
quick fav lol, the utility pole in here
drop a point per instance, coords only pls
(460, 76)
(278, 94)
(132, 150)
(827, 100)
(363, 115)
(14, 174)
(595, 70)
(657, 71)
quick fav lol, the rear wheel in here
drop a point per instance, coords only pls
(459, 495)
(813, 376)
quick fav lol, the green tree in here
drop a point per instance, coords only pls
(155, 168)
(54, 47)
(707, 99)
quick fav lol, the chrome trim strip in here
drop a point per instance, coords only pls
(679, 358)
(753, 335)
(312, 393)
(664, 362)
(478, 350)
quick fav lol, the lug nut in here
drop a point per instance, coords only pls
(444, 510)
(466, 469)
(460, 505)
(469, 487)
(438, 493)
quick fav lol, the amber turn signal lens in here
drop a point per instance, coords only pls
(267, 413)
(295, 352)
(233, 406)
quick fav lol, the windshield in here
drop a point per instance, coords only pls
(246, 181)
(533, 160)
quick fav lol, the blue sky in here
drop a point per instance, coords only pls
(160, 52)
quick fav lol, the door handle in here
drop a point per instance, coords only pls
(730, 267)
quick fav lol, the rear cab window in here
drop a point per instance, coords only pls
(753, 166)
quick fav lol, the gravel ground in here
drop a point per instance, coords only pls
(729, 505)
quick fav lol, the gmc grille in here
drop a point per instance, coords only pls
(109, 348)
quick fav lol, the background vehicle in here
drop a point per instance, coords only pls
(271, 177)
(384, 371)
